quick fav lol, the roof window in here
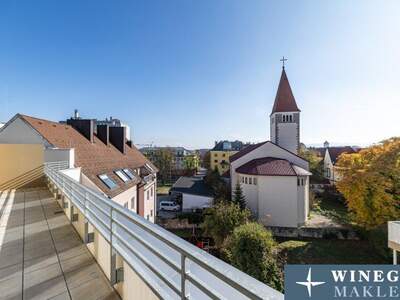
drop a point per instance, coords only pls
(122, 175)
(107, 181)
(129, 173)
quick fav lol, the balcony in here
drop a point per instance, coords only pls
(99, 249)
(394, 238)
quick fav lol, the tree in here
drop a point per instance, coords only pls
(250, 248)
(315, 162)
(221, 190)
(238, 196)
(191, 162)
(221, 220)
(370, 183)
(163, 159)
(205, 163)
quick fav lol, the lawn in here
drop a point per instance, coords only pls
(331, 208)
(321, 251)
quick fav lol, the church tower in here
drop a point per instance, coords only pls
(285, 117)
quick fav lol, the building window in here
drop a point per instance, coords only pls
(151, 212)
(250, 180)
(215, 160)
(122, 175)
(223, 154)
(255, 181)
(108, 181)
(126, 204)
(148, 194)
(148, 217)
(133, 200)
(129, 173)
(291, 118)
(298, 181)
(151, 192)
(245, 180)
(215, 154)
(242, 178)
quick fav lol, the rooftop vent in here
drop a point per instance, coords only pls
(118, 138)
(103, 133)
(84, 126)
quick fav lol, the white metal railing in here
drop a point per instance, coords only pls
(171, 267)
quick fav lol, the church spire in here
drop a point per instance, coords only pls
(284, 100)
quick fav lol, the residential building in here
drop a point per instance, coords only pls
(274, 179)
(330, 158)
(180, 155)
(63, 237)
(195, 194)
(219, 155)
(101, 159)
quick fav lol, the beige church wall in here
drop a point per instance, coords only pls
(278, 200)
(287, 136)
(20, 163)
(251, 193)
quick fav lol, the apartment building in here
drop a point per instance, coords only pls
(99, 157)
(219, 155)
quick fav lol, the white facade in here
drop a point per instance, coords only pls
(275, 200)
(284, 130)
(190, 201)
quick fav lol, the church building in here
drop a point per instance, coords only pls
(274, 179)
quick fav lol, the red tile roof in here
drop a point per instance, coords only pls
(267, 166)
(94, 158)
(245, 150)
(284, 100)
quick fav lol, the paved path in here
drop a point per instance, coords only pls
(41, 255)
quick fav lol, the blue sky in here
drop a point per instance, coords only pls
(192, 72)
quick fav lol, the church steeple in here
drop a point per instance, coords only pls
(285, 116)
(284, 100)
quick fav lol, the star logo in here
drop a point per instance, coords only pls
(309, 283)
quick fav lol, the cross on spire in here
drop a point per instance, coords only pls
(283, 61)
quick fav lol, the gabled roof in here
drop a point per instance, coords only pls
(94, 158)
(192, 186)
(284, 100)
(335, 152)
(271, 166)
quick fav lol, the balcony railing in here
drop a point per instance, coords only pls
(170, 266)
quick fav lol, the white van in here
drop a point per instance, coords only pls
(169, 205)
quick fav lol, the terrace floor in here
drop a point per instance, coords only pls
(41, 254)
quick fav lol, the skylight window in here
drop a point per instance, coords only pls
(129, 173)
(149, 168)
(122, 175)
(107, 181)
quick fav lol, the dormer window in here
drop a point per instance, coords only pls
(122, 175)
(108, 181)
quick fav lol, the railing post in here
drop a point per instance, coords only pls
(113, 259)
(183, 276)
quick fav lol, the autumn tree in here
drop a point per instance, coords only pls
(370, 183)
(163, 159)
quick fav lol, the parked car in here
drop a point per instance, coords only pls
(169, 205)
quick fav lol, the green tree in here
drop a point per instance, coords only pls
(206, 160)
(250, 248)
(315, 162)
(191, 162)
(221, 190)
(163, 159)
(221, 220)
(238, 196)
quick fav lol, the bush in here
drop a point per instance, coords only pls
(192, 217)
(378, 239)
(250, 248)
(221, 220)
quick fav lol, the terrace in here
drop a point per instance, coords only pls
(66, 241)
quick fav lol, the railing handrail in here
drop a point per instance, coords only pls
(239, 281)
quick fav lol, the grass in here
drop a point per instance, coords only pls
(163, 189)
(320, 251)
(331, 208)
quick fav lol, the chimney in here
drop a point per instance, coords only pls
(326, 144)
(118, 138)
(85, 127)
(103, 133)
(76, 114)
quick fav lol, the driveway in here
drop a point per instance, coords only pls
(165, 214)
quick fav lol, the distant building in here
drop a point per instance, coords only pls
(330, 157)
(219, 155)
(194, 192)
(181, 157)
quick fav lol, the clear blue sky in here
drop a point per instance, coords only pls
(192, 72)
